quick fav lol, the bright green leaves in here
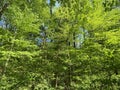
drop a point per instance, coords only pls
(74, 46)
(113, 38)
(24, 21)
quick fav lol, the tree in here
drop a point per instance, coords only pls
(74, 46)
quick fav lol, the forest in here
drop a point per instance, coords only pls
(59, 44)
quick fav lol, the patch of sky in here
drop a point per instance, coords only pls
(2, 24)
(40, 40)
(56, 3)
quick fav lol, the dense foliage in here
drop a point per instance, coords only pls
(59, 45)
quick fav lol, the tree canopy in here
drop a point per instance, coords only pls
(59, 44)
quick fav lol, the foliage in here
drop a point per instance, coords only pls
(70, 46)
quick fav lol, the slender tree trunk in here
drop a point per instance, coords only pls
(50, 9)
(74, 40)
